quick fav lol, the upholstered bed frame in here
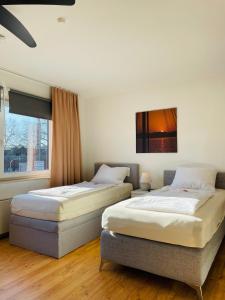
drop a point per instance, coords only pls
(189, 265)
(56, 239)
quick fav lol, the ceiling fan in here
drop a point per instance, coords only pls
(11, 23)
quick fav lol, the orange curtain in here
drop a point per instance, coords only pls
(66, 145)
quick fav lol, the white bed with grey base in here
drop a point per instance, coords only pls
(189, 264)
(56, 236)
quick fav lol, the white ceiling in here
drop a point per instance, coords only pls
(114, 46)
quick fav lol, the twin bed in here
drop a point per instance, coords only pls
(54, 222)
(175, 245)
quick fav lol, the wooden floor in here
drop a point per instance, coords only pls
(26, 275)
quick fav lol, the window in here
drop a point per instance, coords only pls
(25, 147)
(26, 143)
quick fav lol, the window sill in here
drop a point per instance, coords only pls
(25, 177)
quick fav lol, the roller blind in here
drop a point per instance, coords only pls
(29, 105)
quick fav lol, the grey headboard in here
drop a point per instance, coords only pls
(134, 171)
(220, 178)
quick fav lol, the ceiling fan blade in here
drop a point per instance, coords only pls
(12, 24)
(38, 2)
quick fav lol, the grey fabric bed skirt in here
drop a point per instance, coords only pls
(189, 265)
(55, 239)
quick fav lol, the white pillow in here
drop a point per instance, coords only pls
(195, 178)
(114, 175)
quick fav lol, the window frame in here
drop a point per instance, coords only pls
(7, 176)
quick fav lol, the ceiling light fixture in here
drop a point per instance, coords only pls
(61, 20)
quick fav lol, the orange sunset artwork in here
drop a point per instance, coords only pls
(156, 131)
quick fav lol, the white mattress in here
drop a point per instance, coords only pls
(61, 208)
(178, 229)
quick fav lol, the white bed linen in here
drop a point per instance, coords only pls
(115, 175)
(72, 191)
(167, 199)
(195, 176)
(60, 208)
(178, 229)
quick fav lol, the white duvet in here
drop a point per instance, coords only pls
(168, 227)
(71, 191)
(181, 201)
(68, 202)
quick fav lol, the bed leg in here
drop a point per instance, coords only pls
(101, 264)
(198, 290)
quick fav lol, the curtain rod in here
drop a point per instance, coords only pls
(26, 77)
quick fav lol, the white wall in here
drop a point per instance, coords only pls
(109, 127)
(24, 84)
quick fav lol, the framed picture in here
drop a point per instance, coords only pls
(156, 131)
